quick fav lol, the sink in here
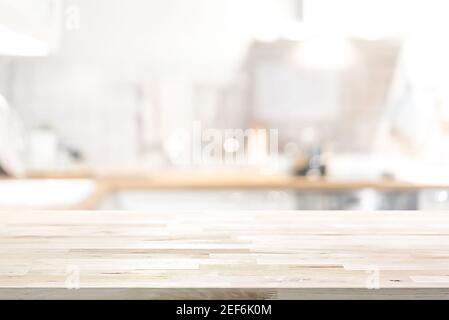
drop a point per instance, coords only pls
(44, 194)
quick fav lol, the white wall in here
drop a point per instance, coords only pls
(174, 34)
(169, 48)
(34, 23)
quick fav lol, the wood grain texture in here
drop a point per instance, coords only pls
(228, 250)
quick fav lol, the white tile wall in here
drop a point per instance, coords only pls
(170, 48)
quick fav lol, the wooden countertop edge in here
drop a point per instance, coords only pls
(298, 184)
(169, 179)
(106, 184)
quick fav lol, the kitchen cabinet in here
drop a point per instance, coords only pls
(246, 191)
(234, 199)
(437, 199)
(268, 199)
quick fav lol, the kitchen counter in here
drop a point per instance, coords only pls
(112, 182)
(224, 179)
(224, 254)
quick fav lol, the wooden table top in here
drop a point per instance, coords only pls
(224, 250)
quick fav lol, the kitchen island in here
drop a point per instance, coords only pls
(220, 254)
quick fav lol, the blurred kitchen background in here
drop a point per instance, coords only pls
(347, 102)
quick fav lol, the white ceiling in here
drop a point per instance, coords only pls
(172, 31)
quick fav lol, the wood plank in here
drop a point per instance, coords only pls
(263, 251)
